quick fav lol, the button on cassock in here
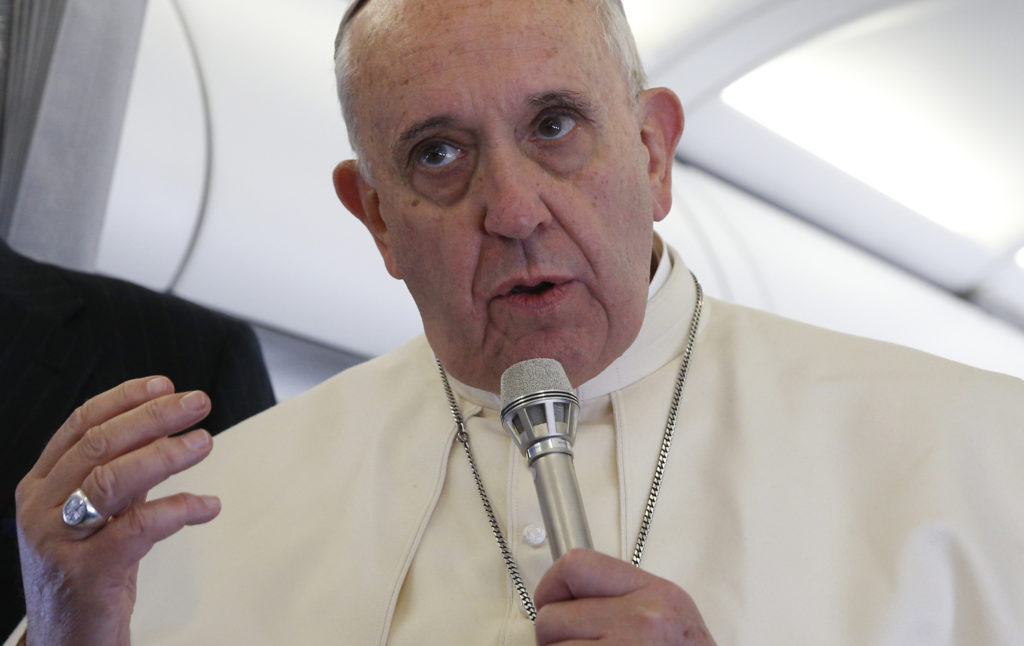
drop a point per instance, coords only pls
(534, 535)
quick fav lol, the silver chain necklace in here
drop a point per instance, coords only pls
(659, 470)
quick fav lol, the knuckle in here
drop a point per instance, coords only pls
(165, 454)
(574, 560)
(674, 595)
(665, 612)
(95, 443)
(155, 413)
(76, 420)
(123, 391)
(136, 521)
(104, 481)
(190, 505)
(572, 556)
(22, 502)
(679, 600)
(22, 492)
(649, 618)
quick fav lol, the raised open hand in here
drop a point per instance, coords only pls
(80, 555)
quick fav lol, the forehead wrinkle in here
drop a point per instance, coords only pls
(452, 58)
(411, 33)
(432, 49)
(395, 29)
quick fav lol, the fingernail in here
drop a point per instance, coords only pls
(211, 502)
(197, 439)
(158, 386)
(194, 400)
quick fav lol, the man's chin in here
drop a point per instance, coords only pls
(581, 360)
(565, 348)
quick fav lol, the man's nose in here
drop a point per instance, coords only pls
(513, 191)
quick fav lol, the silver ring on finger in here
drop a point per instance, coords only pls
(79, 512)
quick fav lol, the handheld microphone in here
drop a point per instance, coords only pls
(540, 410)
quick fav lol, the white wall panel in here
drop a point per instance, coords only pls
(275, 244)
(156, 194)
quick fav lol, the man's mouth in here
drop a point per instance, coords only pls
(539, 288)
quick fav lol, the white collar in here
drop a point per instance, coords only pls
(664, 268)
(661, 337)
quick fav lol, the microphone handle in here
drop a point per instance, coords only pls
(560, 503)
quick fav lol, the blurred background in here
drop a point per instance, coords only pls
(852, 163)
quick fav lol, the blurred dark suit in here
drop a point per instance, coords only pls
(66, 336)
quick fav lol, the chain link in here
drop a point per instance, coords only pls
(506, 554)
(670, 430)
(659, 470)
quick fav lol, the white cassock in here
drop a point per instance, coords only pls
(821, 489)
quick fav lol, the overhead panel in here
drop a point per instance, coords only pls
(757, 255)
(894, 101)
(891, 124)
(667, 31)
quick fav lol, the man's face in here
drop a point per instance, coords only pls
(514, 184)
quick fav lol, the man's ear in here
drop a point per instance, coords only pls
(362, 200)
(661, 125)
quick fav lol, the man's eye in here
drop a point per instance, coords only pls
(438, 154)
(555, 126)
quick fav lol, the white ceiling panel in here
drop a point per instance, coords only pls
(921, 102)
(718, 48)
(893, 125)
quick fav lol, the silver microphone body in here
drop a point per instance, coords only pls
(540, 411)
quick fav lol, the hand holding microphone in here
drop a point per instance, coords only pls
(623, 602)
(540, 410)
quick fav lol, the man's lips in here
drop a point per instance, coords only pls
(537, 294)
(535, 284)
(541, 287)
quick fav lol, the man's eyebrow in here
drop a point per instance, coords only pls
(563, 99)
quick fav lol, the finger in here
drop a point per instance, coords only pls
(563, 621)
(126, 432)
(586, 573)
(127, 538)
(655, 612)
(97, 410)
(114, 486)
(659, 615)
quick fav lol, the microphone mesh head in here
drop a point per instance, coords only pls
(530, 376)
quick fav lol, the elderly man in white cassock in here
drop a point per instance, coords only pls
(743, 476)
